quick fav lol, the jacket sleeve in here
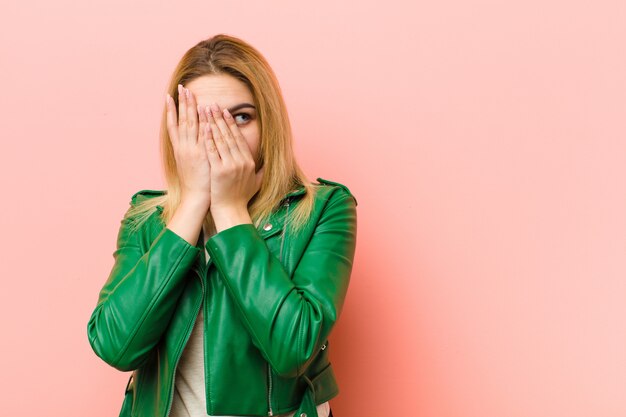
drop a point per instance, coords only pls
(290, 318)
(138, 299)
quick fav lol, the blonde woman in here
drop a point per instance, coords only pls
(227, 284)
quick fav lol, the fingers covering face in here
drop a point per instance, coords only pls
(172, 123)
(225, 132)
(218, 138)
(207, 125)
(240, 141)
(192, 117)
(233, 137)
(182, 112)
(211, 146)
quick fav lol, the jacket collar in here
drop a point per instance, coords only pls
(273, 226)
(295, 193)
(276, 222)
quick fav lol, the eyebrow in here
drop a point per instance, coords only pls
(240, 106)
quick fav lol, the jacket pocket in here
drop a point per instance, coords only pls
(325, 385)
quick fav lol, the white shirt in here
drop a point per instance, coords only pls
(189, 389)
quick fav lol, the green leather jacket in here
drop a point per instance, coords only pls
(271, 300)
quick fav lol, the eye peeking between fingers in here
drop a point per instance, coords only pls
(242, 118)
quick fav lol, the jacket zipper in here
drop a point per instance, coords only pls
(169, 408)
(269, 392)
(269, 370)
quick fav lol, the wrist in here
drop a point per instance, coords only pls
(196, 200)
(229, 216)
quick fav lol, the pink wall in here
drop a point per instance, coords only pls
(484, 140)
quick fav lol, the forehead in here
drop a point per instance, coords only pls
(223, 89)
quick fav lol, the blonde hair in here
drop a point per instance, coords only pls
(225, 54)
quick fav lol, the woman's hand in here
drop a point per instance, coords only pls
(234, 180)
(189, 142)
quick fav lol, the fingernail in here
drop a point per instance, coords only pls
(167, 98)
(187, 93)
(180, 89)
(226, 113)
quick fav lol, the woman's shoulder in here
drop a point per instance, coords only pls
(142, 195)
(333, 186)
